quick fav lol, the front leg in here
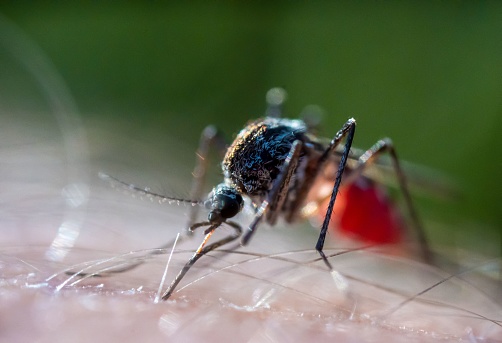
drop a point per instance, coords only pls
(202, 250)
(348, 130)
(277, 195)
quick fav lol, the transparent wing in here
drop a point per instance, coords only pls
(422, 180)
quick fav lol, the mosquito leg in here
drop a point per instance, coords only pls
(281, 187)
(348, 130)
(276, 197)
(313, 169)
(201, 251)
(210, 137)
(369, 157)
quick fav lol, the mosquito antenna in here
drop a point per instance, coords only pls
(146, 191)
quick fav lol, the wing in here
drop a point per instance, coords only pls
(421, 180)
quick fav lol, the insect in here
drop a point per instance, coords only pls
(278, 164)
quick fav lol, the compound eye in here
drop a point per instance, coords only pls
(229, 205)
(225, 203)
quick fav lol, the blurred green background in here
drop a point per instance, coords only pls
(427, 74)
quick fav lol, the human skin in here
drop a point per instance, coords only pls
(57, 218)
(274, 290)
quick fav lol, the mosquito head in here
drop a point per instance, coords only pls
(224, 202)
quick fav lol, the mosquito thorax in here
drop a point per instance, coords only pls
(223, 202)
(254, 159)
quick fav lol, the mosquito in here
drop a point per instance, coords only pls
(276, 163)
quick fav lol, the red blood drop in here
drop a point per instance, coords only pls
(363, 211)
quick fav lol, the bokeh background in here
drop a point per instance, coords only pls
(427, 74)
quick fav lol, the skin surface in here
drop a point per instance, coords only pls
(275, 290)
(56, 217)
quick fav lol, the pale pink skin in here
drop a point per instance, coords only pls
(269, 298)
